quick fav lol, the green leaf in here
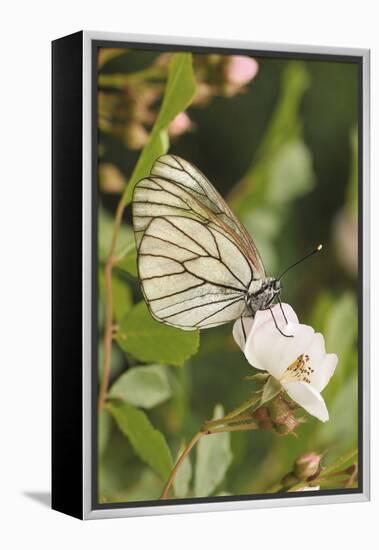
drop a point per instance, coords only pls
(285, 123)
(213, 459)
(280, 145)
(107, 54)
(291, 173)
(121, 294)
(338, 482)
(156, 146)
(342, 327)
(142, 386)
(148, 443)
(105, 232)
(352, 190)
(343, 424)
(183, 477)
(128, 263)
(104, 426)
(260, 377)
(180, 89)
(270, 390)
(150, 341)
(117, 359)
(121, 297)
(321, 311)
(341, 463)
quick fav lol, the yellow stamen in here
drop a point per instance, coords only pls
(298, 371)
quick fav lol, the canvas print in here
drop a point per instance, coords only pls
(227, 201)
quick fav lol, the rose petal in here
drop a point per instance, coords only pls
(243, 326)
(265, 315)
(326, 370)
(269, 350)
(241, 330)
(308, 398)
(316, 353)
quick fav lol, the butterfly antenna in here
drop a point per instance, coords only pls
(317, 249)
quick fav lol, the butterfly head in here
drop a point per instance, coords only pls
(270, 289)
(262, 294)
(276, 284)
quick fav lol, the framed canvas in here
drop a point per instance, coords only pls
(210, 275)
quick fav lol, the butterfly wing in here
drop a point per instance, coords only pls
(177, 187)
(195, 260)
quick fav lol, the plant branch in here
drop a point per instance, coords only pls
(236, 414)
(193, 442)
(108, 329)
(180, 461)
(237, 428)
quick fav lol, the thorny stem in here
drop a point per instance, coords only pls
(119, 80)
(341, 477)
(180, 461)
(193, 442)
(237, 428)
(108, 330)
(234, 416)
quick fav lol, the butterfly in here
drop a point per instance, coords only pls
(198, 266)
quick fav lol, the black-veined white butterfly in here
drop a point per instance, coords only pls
(197, 264)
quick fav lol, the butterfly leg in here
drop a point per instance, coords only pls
(276, 325)
(282, 310)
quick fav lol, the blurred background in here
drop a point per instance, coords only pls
(278, 139)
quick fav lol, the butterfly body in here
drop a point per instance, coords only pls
(198, 266)
(263, 296)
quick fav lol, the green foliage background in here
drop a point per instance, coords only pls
(284, 154)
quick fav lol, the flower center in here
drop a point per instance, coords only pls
(298, 371)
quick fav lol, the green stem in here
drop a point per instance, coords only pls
(238, 428)
(180, 461)
(108, 329)
(299, 485)
(191, 445)
(119, 80)
(234, 416)
(275, 488)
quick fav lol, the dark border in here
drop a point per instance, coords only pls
(67, 254)
(356, 59)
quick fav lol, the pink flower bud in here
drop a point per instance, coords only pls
(307, 466)
(241, 70)
(181, 124)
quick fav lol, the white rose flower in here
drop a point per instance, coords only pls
(300, 362)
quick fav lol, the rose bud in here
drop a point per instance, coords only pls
(307, 466)
(241, 70)
(181, 124)
(263, 418)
